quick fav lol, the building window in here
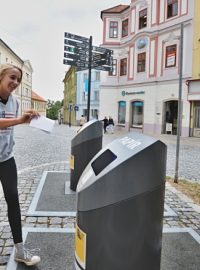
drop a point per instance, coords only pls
(121, 112)
(85, 77)
(123, 67)
(143, 18)
(125, 28)
(27, 77)
(113, 33)
(141, 62)
(172, 8)
(137, 114)
(170, 59)
(114, 69)
(96, 95)
(94, 113)
(97, 76)
(84, 96)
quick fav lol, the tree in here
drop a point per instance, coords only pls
(52, 109)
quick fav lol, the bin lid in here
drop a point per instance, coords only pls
(127, 167)
(90, 130)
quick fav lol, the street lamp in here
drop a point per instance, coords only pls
(179, 125)
(70, 111)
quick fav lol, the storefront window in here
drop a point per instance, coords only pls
(137, 114)
(121, 112)
(197, 115)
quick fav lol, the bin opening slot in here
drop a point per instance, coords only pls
(103, 161)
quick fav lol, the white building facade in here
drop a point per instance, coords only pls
(141, 93)
(82, 94)
(23, 92)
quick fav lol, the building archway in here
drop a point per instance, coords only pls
(170, 116)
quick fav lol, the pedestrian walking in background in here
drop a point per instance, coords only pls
(82, 121)
(105, 124)
(10, 78)
(110, 125)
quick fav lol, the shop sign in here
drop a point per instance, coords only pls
(125, 93)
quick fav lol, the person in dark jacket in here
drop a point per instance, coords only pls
(111, 125)
(105, 124)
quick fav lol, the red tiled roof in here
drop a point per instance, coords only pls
(116, 9)
(35, 96)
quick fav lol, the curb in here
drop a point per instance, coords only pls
(184, 198)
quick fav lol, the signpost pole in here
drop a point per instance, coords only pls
(89, 78)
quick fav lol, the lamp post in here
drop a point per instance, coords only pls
(179, 124)
(70, 111)
(89, 78)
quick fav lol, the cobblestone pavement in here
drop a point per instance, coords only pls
(36, 151)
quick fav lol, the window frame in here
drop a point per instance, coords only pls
(85, 77)
(141, 62)
(96, 95)
(123, 67)
(112, 29)
(141, 115)
(142, 19)
(172, 6)
(114, 70)
(125, 28)
(167, 53)
(97, 76)
(122, 119)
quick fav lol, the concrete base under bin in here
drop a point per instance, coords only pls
(52, 198)
(181, 249)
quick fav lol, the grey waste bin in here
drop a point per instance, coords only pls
(84, 146)
(120, 203)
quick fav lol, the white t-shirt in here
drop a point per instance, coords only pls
(8, 110)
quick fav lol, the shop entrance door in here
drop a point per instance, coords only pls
(170, 117)
(196, 132)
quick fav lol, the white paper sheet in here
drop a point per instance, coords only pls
(42, 123)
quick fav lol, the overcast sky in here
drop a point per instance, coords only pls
(34, 30)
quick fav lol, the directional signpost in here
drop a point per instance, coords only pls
(79, 52)
(75, 50)
(78, 64)
(80, 57)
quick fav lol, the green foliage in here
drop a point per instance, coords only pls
(52, 108)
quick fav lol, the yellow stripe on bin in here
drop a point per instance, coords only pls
(80, 246)
(71, 163)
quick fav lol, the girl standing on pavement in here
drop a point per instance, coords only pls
(10, 78)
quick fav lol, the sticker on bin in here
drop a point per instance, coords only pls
(71, 163)
(80, 247)
(129, 142)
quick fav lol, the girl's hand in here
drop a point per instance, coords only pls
(28, 115)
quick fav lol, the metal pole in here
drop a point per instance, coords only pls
(89, 79)
(70, 111)
(179, 124)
